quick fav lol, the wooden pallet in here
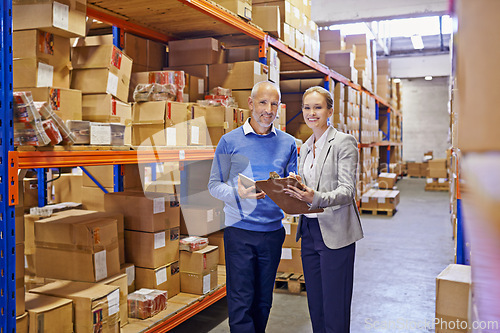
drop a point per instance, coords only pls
(388, 212)
(290, 283)
(437, 188)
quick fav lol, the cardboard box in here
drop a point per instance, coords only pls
(195, 88)
(121, 281)
(22, 323)
(87, 245)
(201, 262)
(104, 175)
(92, 40)
(290, 234)
(289, 35)
(89, 300)
(217, 239)
(67, 187)
(147, 213)
(202, 51)
(49, 314)
(93, 197)
(197, 283)
(453, 297)
(51, 49)
(32, 72)
(20, 306)
(65, 18)
(162, 278)
(151, 250)
(268, 18)
(386, 181)
(387, 199)
(105, 108)
(339, 59)
(290, 261)
(369, 200)
(129, 269)
(198, 132)
(19, 211)
(66, 103)
(144, 52)
(241, 97)
(238, 75)
(200, 221)
(239, 7)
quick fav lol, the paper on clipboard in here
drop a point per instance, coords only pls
(247, 182)
(274, 190)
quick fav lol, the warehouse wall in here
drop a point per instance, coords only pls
(425, 118)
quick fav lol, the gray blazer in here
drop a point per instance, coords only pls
(340, 223)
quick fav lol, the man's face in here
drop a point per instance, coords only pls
(264, 105)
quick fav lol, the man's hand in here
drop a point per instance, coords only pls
(249, 192)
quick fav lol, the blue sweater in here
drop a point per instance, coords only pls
(254, 156)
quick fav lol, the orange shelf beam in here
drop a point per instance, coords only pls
(190, 311)
(127, 26)
(48, 159)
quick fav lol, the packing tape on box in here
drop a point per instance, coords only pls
(78, 248)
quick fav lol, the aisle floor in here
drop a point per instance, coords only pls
(396, 266)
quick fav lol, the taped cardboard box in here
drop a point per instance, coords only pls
(239, 7)
(197, 283)
(66, 103)
(129, 269)
(67, 187)
(149, 212)
(201, 51)
(93, 197)
(290, 261)
(121, 282)
(387, 199)
(290, 234)
(65, 18)
(200, 221)
(48, 313)
(33, 72)
(163, 278)
(151, 250)
(453, 297)
(22, 323)
(217, 239)
(201, 261)
(89, 300)
(386, 181)
(238, 75)
(88, 246)
(105, 108)
(268, 18)
(20, 306)
(369, 200)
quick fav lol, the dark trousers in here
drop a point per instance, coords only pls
(329, 276)
(252, 259)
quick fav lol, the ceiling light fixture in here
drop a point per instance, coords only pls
(396, 80)
(428, 78)
(418, 43)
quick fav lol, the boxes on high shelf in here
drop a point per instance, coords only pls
(89, 300)
(200, 221)
(241, 8)
(146, 54)
(47, 313)
(198, 270)
(105, 108)
(453, 297)
(149, 212)
(65, 18)
(331, 40)
(67, 187)
(362, 43)
(195, 88)
(202, 51)
(219, 120)
(152, 250)
(238, 75)
(31, 72)
(166, 277)
(268, 18)
(101, 69)
(289, 35)
(62, 238)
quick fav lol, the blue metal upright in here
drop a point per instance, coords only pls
(463, 253)
(117, 169)
(7, 212)
(42, 187)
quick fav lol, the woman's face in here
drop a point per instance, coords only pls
(315, 111)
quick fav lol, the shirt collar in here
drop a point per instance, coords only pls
(321, 142)
(247, 128)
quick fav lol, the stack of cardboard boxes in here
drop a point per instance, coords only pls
(380, 200)
(437, 175)
(363, 57)
(368, 168)
(352, 100)
(384, 79)
(339, 107)
(396, 95)
(369, 123)
(291, 261)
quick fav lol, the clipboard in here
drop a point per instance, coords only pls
(290, 205)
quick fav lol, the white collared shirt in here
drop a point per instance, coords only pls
(247, 128)
(310, 164)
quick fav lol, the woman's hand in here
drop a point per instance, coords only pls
(249, 192)
(306, 195)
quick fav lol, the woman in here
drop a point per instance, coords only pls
(327, 171)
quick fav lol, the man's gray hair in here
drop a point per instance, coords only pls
(258, 84)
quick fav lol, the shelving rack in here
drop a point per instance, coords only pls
(160, 21)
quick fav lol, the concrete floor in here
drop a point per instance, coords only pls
(396, 266)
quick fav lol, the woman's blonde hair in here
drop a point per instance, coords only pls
(323, 92)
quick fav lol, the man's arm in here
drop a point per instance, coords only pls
(292, 161)
(219, 175)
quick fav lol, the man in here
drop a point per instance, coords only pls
(254, 234)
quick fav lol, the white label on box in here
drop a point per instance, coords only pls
(100, 134)
(159, 240)
(286, 253)
(215, 45)
(195, 135)
(182, 155)
(101, 270)
(288, 228)
(60, 15)
(256, 68)
(365, 199)
(161, 276)
(201, 86)
(158, 205)
(206, 283)
(45, 75)
(288, 9)
(130, 274)
(114, 302)
(441, 180)
(171, 136)
(210, 215)
(381, 200)
(429, 180)
(25, 262)
(112, 87)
